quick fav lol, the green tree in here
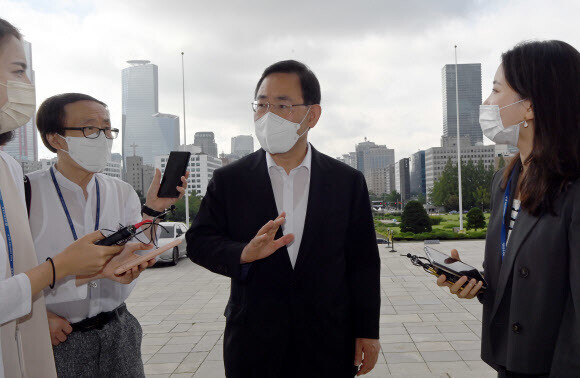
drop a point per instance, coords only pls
(393, 197)
(482, 197)
(501, 162)
(415, 219)
(421, 198)
(179, 214)
(475, 219)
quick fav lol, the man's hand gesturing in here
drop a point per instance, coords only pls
(263, 244)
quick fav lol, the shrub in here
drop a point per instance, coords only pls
(436, 220)
(475, 219)
(415, 218)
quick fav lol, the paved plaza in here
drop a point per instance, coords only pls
(424, 330)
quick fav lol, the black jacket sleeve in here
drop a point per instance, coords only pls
(364, 265)
(207, 242)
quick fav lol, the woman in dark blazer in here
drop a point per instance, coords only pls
(531, 308)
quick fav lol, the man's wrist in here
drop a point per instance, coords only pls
(151, 211)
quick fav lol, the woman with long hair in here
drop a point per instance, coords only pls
(531, 307)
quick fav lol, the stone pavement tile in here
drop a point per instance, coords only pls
(455, 316)
(191, 363)
(182, 327)
(185, 340)
(407, 309)
(176, 348)
(181, 375)
(155, 340)
(206, 343)
(379, 371)
(396, 358)
(216, 354)
(399, 330)
(398, 347)
(470, 355)
(145, 357)
(423, 337)
(163, 358)
(419, 328)
(210, 369)
(428, 317)
(447, 367)
(470, 336)
(401, 300)
(441, 356)
(150, 349)
(432, 346)
(407, 318)
(466, 345)
(396, 339)
(409, 368)
(387, 310)
(158, 376)
(458, 328)
(473, 374)
(479, 366)
(167, 368)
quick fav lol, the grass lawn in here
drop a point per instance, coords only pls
(442, 231)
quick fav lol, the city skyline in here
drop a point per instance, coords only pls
(380, 72)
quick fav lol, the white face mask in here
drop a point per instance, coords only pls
(492, 125)
(277, 135)
(20, 106)
(91, 154)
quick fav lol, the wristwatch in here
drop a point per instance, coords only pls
(152, 213)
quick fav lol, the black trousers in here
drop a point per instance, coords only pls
(503, 373)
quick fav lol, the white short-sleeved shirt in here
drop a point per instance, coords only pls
(52, 234)
(15, 292)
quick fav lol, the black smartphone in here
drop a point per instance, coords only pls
(452, 268)
(175, 168)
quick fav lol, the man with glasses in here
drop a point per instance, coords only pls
(93, 333)
(293, 229)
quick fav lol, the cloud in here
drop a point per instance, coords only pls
(379, 62)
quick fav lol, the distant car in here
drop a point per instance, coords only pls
(382, 241)
(169, 232)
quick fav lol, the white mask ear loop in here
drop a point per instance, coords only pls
(308, 128)
(517, 102)
(65, 141)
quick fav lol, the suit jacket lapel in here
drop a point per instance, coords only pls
(522, 227)
(316, 210)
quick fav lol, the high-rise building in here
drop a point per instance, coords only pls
(348, 159)
(114, 169)
(372, 156)
(146, 132)
(469, 84)
(417, 174)
(402, 180)
(24, 146)
(437, 157)
(242, 145)
(137, 174)
(206, 140)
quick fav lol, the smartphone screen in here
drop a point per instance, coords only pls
(450, 265)
(176, 167)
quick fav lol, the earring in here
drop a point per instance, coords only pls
(525, 123)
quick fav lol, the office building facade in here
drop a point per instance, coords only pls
(206, 141)
(242, 145)
(469, 85)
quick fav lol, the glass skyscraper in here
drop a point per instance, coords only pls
(146, 132)
(469, 84)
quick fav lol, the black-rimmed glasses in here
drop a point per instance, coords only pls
(282, 109)
(93, 132)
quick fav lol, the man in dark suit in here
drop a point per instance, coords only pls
(293, 229)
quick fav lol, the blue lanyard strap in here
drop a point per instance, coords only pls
(8, 237)
(68, 217)
(506, 204)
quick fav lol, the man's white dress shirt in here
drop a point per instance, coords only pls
(52, 234)
(291, 194)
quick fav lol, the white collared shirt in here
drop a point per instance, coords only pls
(52, 234)
(291, 195)
(15, 292)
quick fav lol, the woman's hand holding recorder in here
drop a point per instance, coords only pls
(469, 291)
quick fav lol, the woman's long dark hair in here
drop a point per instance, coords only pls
(548, 74)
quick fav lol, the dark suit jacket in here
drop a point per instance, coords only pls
(531, 311)
(284, 322)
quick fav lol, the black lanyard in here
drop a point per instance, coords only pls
(70, 222)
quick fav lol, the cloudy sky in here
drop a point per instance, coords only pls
(379, 61)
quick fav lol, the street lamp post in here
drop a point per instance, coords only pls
(185, 141)
(458, 144)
